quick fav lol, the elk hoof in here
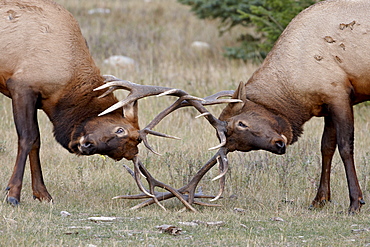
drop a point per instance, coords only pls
(318, 204)
(354, 209)
(43, 198)
(13, 201)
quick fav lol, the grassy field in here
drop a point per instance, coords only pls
(274, 192)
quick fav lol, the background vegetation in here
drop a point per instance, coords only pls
(262, 22)
(158, 34)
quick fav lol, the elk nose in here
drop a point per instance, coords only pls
(280, 146)
(87, 148)
(87, 145)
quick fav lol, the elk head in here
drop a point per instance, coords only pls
(252, 127)
(111, 135)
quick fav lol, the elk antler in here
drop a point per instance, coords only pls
(140, 91)
(186, 194)
(199, 105)
(137, 91)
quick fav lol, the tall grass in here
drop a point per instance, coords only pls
(158, 34)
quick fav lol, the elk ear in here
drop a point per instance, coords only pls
(233, 109)
(240, 92)
(130, 112)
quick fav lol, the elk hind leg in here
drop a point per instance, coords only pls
(328, 146)
(344, 125)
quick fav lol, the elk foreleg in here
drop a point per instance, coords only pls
(38, 186)
(328, 146)
(25, 118)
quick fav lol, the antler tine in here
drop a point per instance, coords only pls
(138, 168)
(224, 166)
(137, 173)
(129, 170)
(109, 78)
(216, 98)
(143, 136)
(148, 129)
(219, 125)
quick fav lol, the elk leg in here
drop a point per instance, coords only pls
(328, 146)
(38, 186)
(25, 118)
(344, 125)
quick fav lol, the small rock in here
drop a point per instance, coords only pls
(64, 214)
(102, 218)
(200, 45)
(98, 11)
(239, 210)
(360, 230)
(215, 223)
(80, 227)
(233, 196)
(120, 61)
(277, 219)
(170, 229)
(191, 223)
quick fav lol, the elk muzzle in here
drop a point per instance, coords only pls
(87, 146)
(114, 147)
(279, 145)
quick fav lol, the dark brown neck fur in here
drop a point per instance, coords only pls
(78, 104)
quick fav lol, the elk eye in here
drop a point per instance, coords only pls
(120, 131)
(241, 124)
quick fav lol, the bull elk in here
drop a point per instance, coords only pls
(45, 64)
(318, 67)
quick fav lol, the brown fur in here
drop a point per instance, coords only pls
(318, 67)
(45, 64)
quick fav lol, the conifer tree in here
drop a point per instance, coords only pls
(268, 18)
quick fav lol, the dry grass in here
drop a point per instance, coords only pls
(157, 34)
